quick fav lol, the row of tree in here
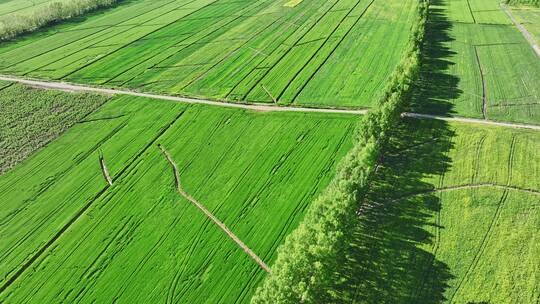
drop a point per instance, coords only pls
(13, 25)
(304, 271)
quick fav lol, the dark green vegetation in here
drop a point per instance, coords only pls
(69, 237)
(451, 212)
(305, 270)
(490, 71)
(452, 216)
(30, 118)
(32, 18)
(317, 53)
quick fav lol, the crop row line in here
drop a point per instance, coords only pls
(176, 44)
(484, 93)
(131, 43)
(284, 54)
(329, 55)
(96, 33)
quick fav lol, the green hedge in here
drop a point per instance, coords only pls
(14, 24)
(303, 271)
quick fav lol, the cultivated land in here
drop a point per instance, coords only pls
(68, 236)
(317, 53)
(452, 217)
(482, 64)
(33, 117)
(529, 17)
(149, 200)
(23, 7)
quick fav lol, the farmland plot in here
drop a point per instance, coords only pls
(530, 18)
(452, 218)
(71, 237)
(258, 51)
(491, 70)
(487, 233)
(30, 118)
(23, 7)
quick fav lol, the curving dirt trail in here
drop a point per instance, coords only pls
(214, 219)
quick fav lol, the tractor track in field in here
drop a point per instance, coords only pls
(487, 236)
(482, 78)
(522, 29)
(261, 107)
(208, 214)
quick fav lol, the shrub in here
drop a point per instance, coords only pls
(14, 25)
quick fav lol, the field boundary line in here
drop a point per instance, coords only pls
(484, 93)
(208, 214)
(522, 29)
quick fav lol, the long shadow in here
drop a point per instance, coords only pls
(392, 257)
(435, 87)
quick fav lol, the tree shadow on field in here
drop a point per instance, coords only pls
(435, 87)
(392, 257)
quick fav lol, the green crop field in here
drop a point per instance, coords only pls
(23, 7)
(529, 17)
(31, 118)
(453, 217)
(257, 172)
(244, 193)
(485, 68)
(316, 53)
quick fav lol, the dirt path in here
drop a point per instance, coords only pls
(251, 106)
(210, 215)
(522, 29)
(473, 121)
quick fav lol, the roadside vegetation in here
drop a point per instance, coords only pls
(15, 24)
(30, 118)
(304, 271)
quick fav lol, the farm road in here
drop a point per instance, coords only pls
(522, 29)
(255, 107)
